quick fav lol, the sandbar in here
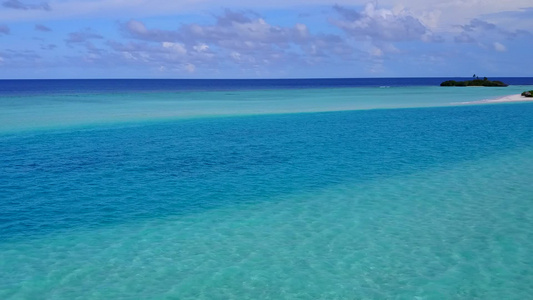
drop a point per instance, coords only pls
(509, 98)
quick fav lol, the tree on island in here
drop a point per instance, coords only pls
(475, 82)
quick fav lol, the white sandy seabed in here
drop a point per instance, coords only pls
(509, 98)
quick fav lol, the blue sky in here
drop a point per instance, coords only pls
(264, 39)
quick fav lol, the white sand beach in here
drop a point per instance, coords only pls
(509, 98)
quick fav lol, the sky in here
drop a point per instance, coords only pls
(265, 38)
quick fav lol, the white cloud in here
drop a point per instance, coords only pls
(499, 47)
(483, 33)
(82, 36)
(464, 38)
(136, 27)
(236, 55)
(201, 47)
(16, 4)
(245, 38)
(20, 59)
(380, 24)
(376, 52)
(437, 15)
(177, 48)
(190, 68)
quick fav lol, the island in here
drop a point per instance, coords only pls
(528, 94)
(475, 82)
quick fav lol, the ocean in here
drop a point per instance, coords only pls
(390, 188)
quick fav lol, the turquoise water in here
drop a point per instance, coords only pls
(411, 203)
(53, 111)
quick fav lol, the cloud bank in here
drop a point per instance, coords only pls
(16, 4)
(351, 38)
(380, 24)
(240, 38)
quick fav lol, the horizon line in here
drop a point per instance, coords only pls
(273, 78)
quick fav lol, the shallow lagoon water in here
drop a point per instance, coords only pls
(424, 203)
(403, 237)
(20, 112)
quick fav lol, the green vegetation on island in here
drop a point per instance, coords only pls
(474, 82)
(528, 93)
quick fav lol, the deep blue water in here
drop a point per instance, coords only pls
(60, 180)
(75, 86)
